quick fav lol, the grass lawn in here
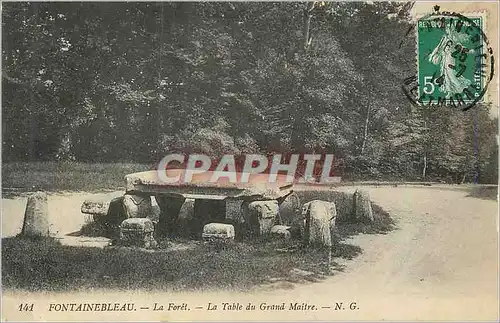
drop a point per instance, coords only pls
(66, 176)
(45, 264)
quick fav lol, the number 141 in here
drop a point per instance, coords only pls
(26, 307)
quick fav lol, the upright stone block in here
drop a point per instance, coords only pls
(233, 209)
(186, 217)
(137, 232)
(36, 221)
(319, 217)
(362, 206)
(259, 216)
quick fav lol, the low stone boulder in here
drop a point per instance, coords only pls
(362, 206)
(137, 232)
(281, 232)
(319, 223)
(290, 209)
(259, 216)
(218, 232)
(205, 211)
(95, 207)
(36, 216)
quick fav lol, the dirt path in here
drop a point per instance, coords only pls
(64, 211)
(440, 263)
(443, 239)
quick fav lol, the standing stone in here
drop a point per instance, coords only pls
(186, 216)
(259, 216)
(233, 209)
(319, 217)
(290, 209)
(362, 206)
(137, 232)
(170, 207)
(137, 206)
(36, 222)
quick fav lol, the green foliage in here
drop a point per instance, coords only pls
(109, 82)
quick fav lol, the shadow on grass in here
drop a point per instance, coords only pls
(383, 225)
(45, 264)
(484, 192)
(93, 228)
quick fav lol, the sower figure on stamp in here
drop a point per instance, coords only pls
(452, 81)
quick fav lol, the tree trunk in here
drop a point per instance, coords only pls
(425, 152)
(307, 24)
(296, 129)
(34, 128)
(365, 134)
(425, 166)
(33, 111)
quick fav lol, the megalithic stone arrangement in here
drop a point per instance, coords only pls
(36, 216)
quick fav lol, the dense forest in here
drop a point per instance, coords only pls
(123, 82)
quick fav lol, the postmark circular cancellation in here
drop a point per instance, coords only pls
(455, 63)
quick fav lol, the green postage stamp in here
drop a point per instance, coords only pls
(451, 53)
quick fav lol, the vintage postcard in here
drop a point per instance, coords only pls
(250, 161)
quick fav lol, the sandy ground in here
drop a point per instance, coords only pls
(64, 212)
(441, 263)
